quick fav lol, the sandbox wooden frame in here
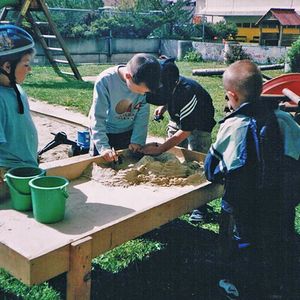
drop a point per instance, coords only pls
(74, 255)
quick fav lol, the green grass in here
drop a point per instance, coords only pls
(119, 258)
(43, 84)
(12, 286)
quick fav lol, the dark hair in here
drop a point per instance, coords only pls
(145, 68)
(169, 75)
(15, 58)
(169, 79)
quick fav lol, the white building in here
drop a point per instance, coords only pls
(242, 7)
(245, 14)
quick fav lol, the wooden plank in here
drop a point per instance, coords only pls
(280, 35)
(14, 263)
(54, 29)
(47, 266)
(187, 155)
(48, 36)
(42, 41)
(72, 167)
(37, 270)
(61, 61)
(55, 49)
(144, 221)
(25, 7)
(3, 14)
(79, 275)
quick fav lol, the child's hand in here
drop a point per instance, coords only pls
(151, 149)
(159, 112)
(134, 147)
(109, 155)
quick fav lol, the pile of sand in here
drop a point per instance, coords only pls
(162, 170)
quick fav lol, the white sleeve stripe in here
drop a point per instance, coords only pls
(189, 111)
(188, 105)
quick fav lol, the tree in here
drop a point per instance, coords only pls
(142, 5)
(224, 30)
(220, 30)
(133, 18)
(86, 4)
(126, 4)
(294, 56)
(175, 18)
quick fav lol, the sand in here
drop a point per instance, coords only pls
(55, 118)
(46, 126)
(162, 170)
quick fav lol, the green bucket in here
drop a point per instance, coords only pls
(49, 194)
(17, 180)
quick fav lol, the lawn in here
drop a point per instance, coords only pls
(172, 262)
(45, 85)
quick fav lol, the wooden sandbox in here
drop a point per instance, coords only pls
(98, 218)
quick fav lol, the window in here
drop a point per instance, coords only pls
(271, 25)
(246, 25)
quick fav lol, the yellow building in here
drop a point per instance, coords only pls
(285, 24)
(245, 14)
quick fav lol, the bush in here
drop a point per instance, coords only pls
(234, 53)
(193, 56)
(294, 56)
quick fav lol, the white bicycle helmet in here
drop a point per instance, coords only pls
(13, 42)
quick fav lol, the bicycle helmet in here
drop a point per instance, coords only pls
(14, 41)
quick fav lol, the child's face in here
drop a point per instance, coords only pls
(23, 68)
(136, 88)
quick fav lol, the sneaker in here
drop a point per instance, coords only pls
(228, 289)
(196, 216)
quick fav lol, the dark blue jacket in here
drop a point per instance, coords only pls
(254, 155)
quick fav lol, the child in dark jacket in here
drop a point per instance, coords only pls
(191, 112)
(257, 148)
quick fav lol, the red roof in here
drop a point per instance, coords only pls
(285, 16)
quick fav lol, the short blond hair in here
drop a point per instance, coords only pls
(244, 78)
